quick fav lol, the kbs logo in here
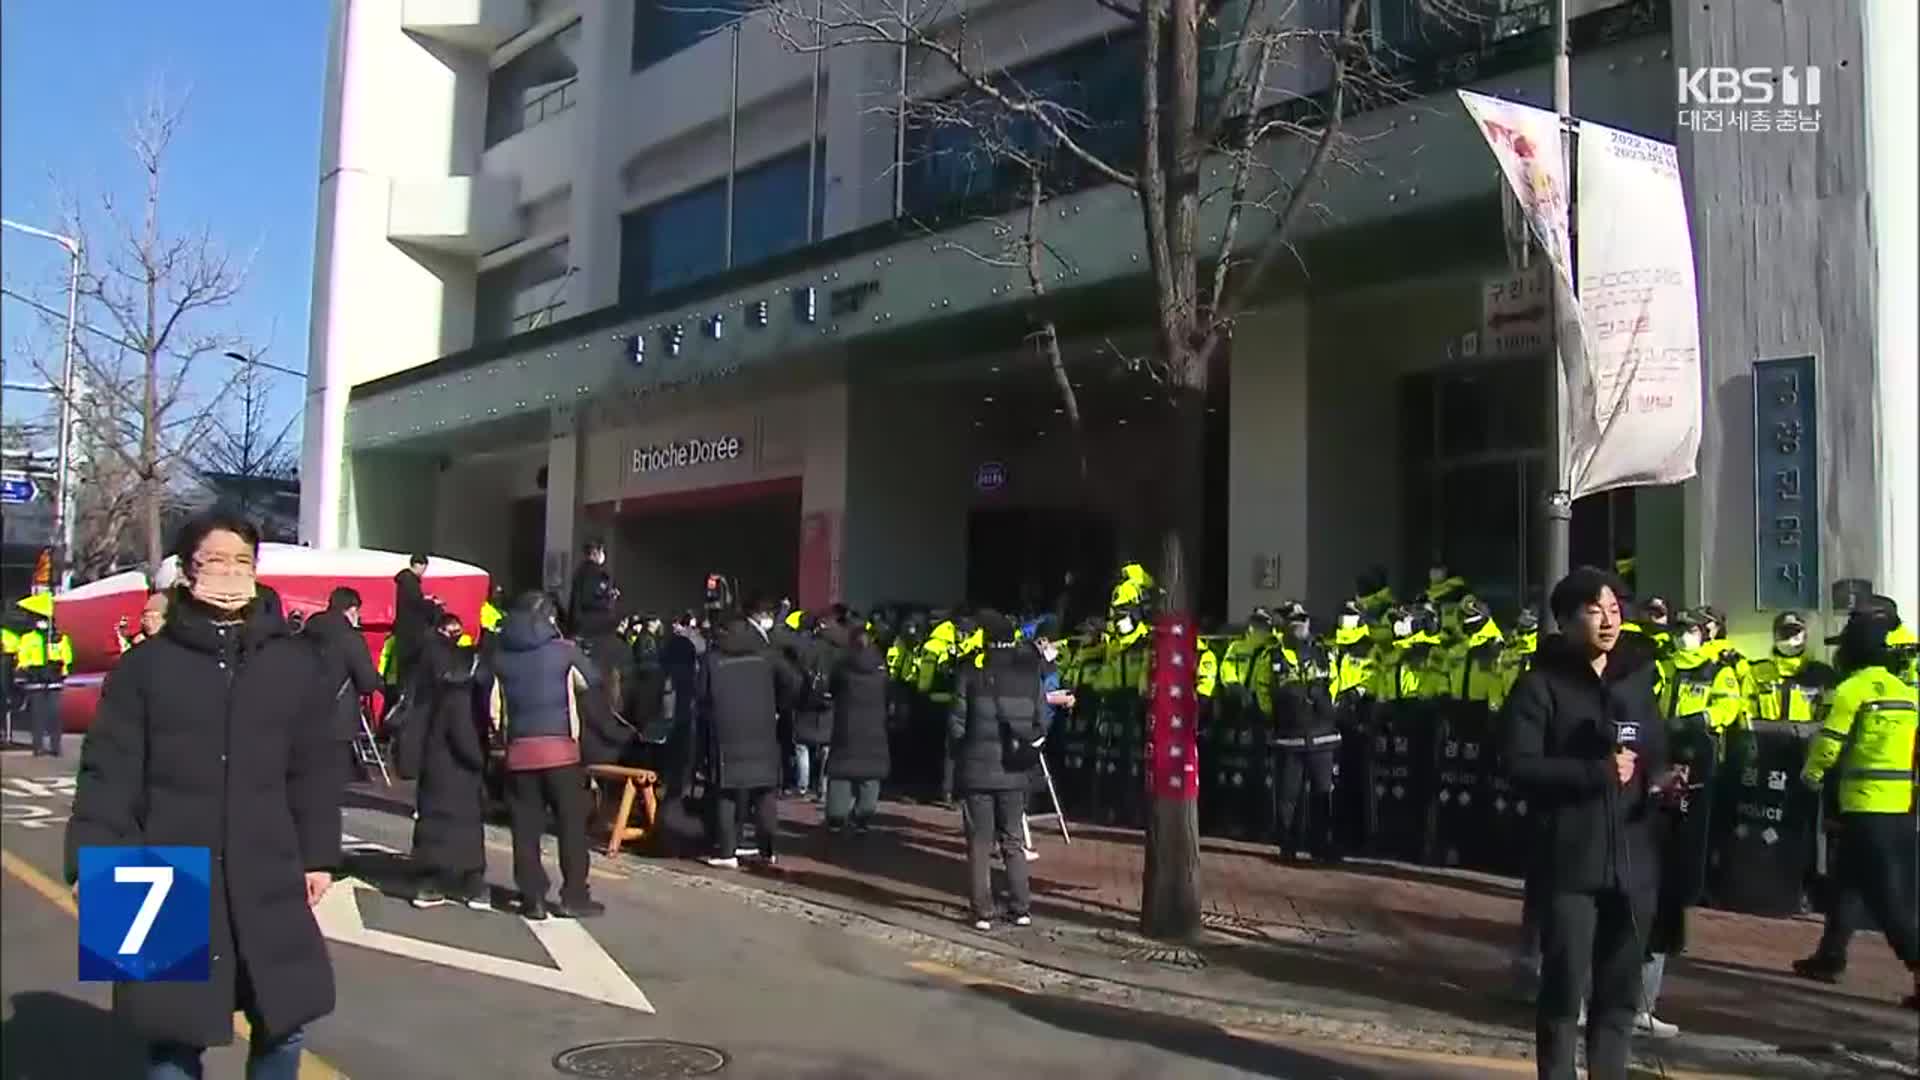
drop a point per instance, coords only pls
(1789, 86)
(145, 914)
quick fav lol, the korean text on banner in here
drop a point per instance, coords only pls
(1634, 418)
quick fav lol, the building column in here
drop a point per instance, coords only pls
(605, 62)
(564, 447)
(1267, 528)
(1890, 57)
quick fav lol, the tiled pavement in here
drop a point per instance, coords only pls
(1393, 935)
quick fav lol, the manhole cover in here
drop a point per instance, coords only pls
(640, 1059)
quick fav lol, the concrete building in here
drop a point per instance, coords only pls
(606, 268)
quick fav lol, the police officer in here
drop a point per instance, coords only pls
(1305, 736)
(1787, 684)
(1868, 738)
(43, 661)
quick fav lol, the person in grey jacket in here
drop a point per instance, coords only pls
(997, 721)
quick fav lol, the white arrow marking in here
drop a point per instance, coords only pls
(585, 969)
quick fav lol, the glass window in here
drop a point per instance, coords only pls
(683, 238)
(662, 28)
(1093, 91)
(535, 86)
(527, 293)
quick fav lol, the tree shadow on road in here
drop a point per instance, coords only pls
(56, 1037)
(1187, 1038)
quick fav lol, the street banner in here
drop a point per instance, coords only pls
(1636, 416)
(1630, 338)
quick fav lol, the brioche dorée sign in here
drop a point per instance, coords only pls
(684, 454)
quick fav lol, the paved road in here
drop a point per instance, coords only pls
(455, 993)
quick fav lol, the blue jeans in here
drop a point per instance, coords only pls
(809, 768)
(278, 1059)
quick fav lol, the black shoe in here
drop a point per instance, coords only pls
(533, 910)
(1819, 969)
(428, 896)
(585, 908)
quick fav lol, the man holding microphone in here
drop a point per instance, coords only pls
(1584, 742)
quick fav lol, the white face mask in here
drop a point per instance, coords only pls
(764, 622)
(1349, 622)
(1691, 640)
(1402, 627)
(1791, 646)
(1125, 625)
(1050, 652)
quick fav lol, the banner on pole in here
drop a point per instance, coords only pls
(1637, 418)
(1630, 338)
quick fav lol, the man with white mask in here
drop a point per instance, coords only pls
(1787, 684)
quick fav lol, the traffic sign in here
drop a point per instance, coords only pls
(16, 489)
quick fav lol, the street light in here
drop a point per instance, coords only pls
(254, 361)
(63, 498)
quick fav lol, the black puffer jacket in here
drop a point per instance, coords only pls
(346, 665)
(1561, 723)
(217, 736)
(814, 658)
(451, 756)
(738, 691)
(860, 718)
(993, 704)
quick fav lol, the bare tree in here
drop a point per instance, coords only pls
(1236, 116)
(248, 455)
(152, 292)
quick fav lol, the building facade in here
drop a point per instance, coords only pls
(619, 270)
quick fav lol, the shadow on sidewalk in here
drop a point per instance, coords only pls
(53, 1036)
(1499, 889)
(1465, 994)
(1186, 1038)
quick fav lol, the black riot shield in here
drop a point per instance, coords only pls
(1232, 762)
(1683, 864)
(1760, 864)
(1073, 758)
(1460, 809)
(1353, 777)
(1404, 772)
(1509, 843)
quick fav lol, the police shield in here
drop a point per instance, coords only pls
(1760, 861)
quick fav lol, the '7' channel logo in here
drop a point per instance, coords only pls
(145, 914)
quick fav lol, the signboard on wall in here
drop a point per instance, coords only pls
(1786, 485)
(1516, 313)
(990, 476)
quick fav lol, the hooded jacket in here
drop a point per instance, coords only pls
(740, 688)
(537, 676)
(992, 704)
(1562, 724)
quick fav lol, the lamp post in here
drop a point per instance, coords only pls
(63, 498)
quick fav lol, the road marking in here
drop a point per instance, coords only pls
(965, 978)
(585, 969)
(312, 1066)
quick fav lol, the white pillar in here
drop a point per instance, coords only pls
(1888, 29)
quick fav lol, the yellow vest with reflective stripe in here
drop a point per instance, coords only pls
(489, 617)
(1208, 672)
(1779, 695)
(1868, 735)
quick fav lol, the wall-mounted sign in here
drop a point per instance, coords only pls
(848, 300)
(1266, 570)
(1786, 485)
(1516, 314)
(990, 476)
(685, 455)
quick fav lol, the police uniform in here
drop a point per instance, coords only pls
(1306, 740)
(43, 666)
(1866, 744)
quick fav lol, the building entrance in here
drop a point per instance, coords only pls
(661, 549)
(1030, 560)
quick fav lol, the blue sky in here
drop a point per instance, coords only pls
(244, 164)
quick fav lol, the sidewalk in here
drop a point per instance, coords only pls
(1417, 955)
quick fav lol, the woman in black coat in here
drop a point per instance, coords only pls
(448, 840)
(217, 734)
(858, 760)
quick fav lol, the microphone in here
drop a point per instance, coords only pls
(1626, 735)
